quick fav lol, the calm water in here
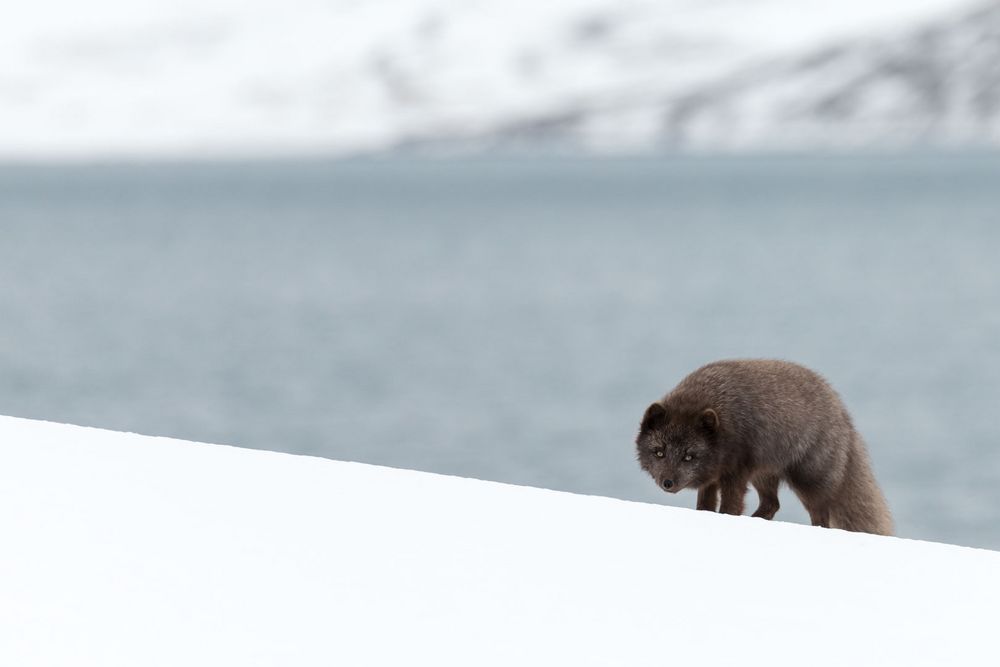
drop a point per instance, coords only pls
(510, 319)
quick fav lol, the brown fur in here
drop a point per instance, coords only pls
(763, 422)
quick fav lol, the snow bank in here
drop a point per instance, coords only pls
(121, 549)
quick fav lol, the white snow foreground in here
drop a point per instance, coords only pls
(121, 549)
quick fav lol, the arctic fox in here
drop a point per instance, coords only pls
(761, 422)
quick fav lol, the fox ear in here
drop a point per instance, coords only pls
(710, 420)
(655, 414)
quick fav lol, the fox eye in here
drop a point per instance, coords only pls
(688, 457)
(659, 453)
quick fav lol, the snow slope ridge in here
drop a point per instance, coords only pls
(122, 549)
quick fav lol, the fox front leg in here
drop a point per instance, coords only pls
(733, 490)
(708, 497)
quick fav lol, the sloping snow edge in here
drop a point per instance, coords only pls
(122, 549)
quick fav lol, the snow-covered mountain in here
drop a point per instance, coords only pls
(268, 77)
(937, 85)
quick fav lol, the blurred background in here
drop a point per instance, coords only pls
(479, 238)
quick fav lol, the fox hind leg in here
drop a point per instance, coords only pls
(819, 517)
(767, 492)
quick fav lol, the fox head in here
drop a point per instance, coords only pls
(679, 448)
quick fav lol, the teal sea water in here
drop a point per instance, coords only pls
(511, 318)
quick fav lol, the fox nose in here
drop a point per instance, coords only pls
(668, 483)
